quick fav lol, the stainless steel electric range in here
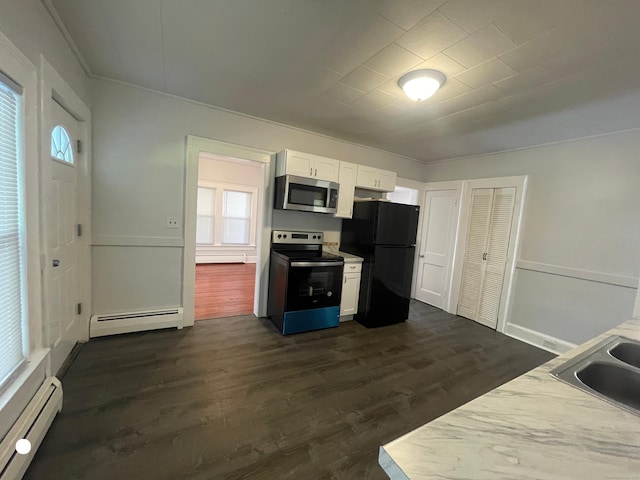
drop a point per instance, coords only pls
(305, 284)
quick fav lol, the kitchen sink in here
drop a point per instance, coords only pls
(628, 353)
(609, 370)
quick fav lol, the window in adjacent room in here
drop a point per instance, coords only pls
(236, 218)
(13, 311)
(226, 214)
(206, 222)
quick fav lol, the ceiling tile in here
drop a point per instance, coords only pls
(356, 36)
(480, 46)
(406, 14)
(529, 20)
(468, 100)
(393, 60)
(473, 14)
(376, 99)
(343, 93)
(431, 36)
(452, 88)
(551, 44)
(364, 79)
(524, 81)
(441, 62)
(486, 73)
(392, 88)
(87, 25)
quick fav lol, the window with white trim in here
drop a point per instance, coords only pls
(226, 214)
(13, 310)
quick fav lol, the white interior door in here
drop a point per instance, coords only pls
(438, 234)
(486, 254)
(60, 210)
(496, 255)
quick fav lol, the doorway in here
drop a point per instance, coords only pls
(196, 148)
(228, 208)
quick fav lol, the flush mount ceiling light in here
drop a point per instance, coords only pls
(421, 84)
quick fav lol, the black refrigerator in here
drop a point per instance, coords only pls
(384, 234)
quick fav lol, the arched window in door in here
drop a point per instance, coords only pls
(61, 147)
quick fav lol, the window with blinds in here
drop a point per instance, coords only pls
(13, 334)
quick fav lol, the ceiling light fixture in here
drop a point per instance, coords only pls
(421, 84)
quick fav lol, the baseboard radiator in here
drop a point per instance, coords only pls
(32, 424)
(102, 325)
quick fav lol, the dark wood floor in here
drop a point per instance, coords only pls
(236, 400)
(224, 289)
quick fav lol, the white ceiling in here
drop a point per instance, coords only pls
(519, 72)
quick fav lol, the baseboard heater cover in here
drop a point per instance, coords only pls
(32, 424)
(102, 325)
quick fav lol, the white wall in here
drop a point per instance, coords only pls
(138, 178)
(579, 260)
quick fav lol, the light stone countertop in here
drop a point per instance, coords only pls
(348, 257)
(533, 427)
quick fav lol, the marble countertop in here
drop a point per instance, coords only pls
(533, 427)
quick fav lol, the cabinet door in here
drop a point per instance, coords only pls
(367, 177)
(298, 164)
(347, 181)
(386, 180)
(326, 169)
(350, 294)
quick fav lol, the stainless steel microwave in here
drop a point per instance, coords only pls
(305, 194)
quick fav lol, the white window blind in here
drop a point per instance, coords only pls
(205, 226)
(236, 217)
(12, 293)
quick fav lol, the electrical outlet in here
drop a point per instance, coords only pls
(172, 222)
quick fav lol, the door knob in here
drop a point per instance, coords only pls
(56, 263)
(421, 256)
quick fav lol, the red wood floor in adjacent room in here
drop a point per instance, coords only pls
(224, 289)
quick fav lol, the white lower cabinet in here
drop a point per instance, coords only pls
(350, 290)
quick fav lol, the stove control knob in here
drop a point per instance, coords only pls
(279, 235)
(285, 235)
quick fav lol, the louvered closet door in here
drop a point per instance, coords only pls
(486, 254)
(496, 255)
(473, 266)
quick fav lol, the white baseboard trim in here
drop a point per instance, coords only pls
(241, 258)
(538, 339)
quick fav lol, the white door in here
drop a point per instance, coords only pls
(60, 211)
(486, 254)
(438, 233)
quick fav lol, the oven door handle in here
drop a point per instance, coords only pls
(317, 264)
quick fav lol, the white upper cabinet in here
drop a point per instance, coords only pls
(290, 162)
(375, 179)
(347, 181)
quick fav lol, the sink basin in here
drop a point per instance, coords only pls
(609, 370)
(617, 383)
(628, 353)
